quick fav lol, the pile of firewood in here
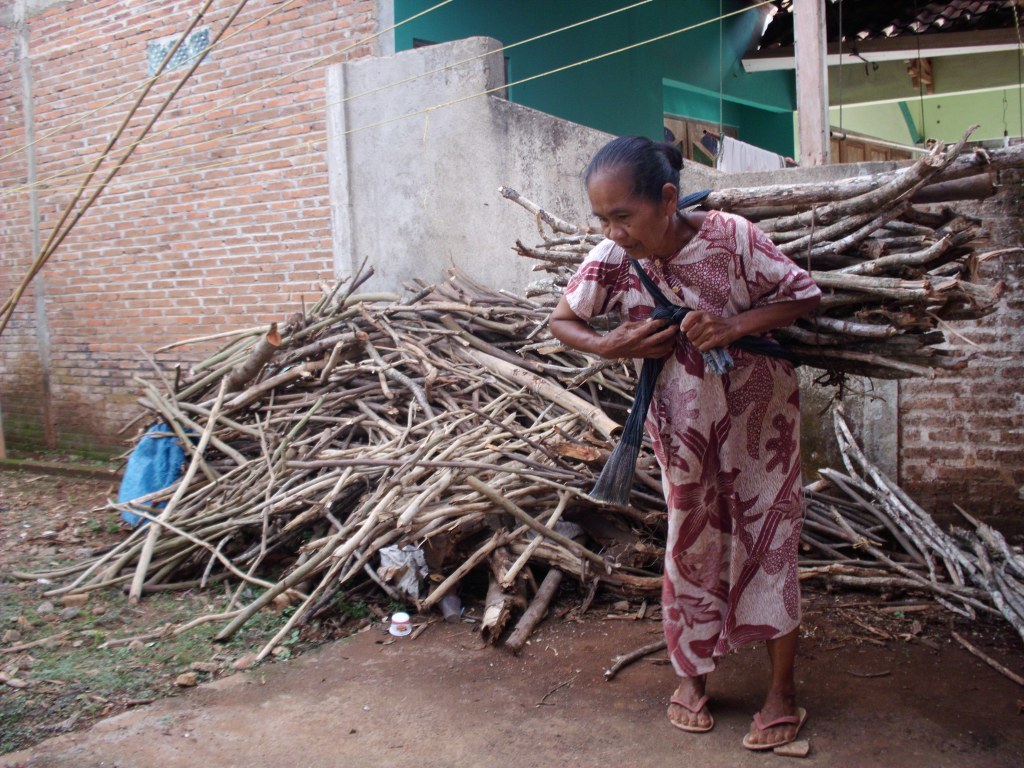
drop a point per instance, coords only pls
(893, 270)
(411, 427)
(442, 441)
(872, 535)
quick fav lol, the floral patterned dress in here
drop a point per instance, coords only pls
(728, 446)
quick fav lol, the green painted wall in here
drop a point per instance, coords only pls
(884, 121)
(623, 93)
(767, 128)
(944, 118)
(871, 95)
(947, 117)
(884, 80)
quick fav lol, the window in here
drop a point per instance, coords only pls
(698, 140)
(192, 47)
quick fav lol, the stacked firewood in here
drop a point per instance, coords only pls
(870, 534)
(894, 266)
(409, 425)
(441, 442)
(440, 428)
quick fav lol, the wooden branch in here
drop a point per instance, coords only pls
(261, 354)
(557, 224)
(794, 196)
(532, 616)
(626, 659)
(593, 414)
(989, 660)
(869, 202)
(575, 548)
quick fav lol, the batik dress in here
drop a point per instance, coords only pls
(728, 445)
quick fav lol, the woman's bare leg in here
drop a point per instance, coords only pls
(781, 698)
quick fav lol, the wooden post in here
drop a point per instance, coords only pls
(811, 81)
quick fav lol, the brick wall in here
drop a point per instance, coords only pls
(962, 436)
(219, 221)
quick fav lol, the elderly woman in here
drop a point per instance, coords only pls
(728, 444)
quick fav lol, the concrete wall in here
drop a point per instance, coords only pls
(419, 194)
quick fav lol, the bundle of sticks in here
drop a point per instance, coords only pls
(872, 535)
(372, 422)
(442, 423)
(893, 264)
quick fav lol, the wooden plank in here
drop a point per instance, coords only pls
(811, 82)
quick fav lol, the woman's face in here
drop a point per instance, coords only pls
(641, 227)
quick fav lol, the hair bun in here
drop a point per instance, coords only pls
(672, 154)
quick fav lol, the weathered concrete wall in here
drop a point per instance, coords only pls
(418, 195)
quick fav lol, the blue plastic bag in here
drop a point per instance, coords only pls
(155, 464)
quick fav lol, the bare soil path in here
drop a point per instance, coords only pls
(444, 700)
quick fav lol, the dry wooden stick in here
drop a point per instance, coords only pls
(626, 659)
(532, 615)
(260, 355)
(574, 547)
(35, 643)
(517, 566)
(135, 593)
(989, 660)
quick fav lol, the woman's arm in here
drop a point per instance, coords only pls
(636, 338)
(706, 331)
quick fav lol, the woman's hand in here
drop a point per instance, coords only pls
(639, 339)
(635, 338)
(706, 331)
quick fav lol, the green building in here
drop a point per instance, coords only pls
(623, 68)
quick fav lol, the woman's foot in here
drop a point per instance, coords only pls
(687, 709)
(778, 722)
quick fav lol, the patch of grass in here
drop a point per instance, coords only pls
(74, 680)
(13, 733)
(352, 610)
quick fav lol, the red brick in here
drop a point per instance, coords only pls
(173, 247)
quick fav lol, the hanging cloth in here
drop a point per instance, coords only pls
(739, 157)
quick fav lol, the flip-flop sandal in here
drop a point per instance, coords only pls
(798, 720)
(694, 709)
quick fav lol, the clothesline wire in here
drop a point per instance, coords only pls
(1020, 83)
(426, 111)
(179, 148)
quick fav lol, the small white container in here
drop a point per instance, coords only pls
(400, 625)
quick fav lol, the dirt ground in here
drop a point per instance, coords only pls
(885, 685)
(443, 700)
